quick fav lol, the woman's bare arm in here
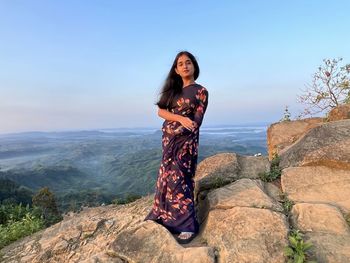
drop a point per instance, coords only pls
(167, 115)
(185, 121)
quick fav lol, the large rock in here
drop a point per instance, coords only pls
(239, 219)
(326, 145)
(312, 218)
(105, 234)
(247, 235)
(341, 112)
(317, 184)
(324, 226)
(283, 134)
(243, 192)
(150, 242)
(224, 168)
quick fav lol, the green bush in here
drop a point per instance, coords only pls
(45, 202)
(17, 221)
(16, 229)
(130, 197)
(12, 212)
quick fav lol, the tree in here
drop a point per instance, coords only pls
(11, 192)
(330, 87)
(45, 200)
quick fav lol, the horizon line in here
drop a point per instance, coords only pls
(130, 127)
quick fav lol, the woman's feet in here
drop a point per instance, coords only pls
(185, 237)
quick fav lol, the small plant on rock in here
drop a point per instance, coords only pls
(275, 170)
(287, 204)
(347, 218)
(286, 115)
(297, 250)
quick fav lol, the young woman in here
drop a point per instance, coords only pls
(182, 104)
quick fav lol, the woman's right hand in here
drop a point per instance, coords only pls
(187, 123)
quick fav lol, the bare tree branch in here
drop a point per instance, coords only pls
(330, 87)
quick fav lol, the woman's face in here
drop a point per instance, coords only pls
(184, 67)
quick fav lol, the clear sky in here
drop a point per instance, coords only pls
(100, 64)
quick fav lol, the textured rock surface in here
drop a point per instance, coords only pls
(150, 242)
(79, 237)
(341, 112)
(280, 135)
(224, 168)
(318, 184)
(326, 228)
(244, 192)
(240, 225)
(327, 144)
(246, 234)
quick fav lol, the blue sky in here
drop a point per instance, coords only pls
(67, 65)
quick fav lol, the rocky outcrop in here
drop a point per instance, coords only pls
(239, 220)
(318, 184)
(150, 242)
(316, 177)
(224, 168)
(241, 224)
(280, 135)
(244, 193)
(246, 234)
(81, 237)
(325, 228)
(327, 145)
(242, 219)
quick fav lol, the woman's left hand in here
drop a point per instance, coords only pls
(187, 123)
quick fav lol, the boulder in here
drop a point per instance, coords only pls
(318, 184)
(324, 226)
(243, 192)
(247, 235)
(341, 112)
(224, 168)
(283, 134)
(325, 145)
(151, 242)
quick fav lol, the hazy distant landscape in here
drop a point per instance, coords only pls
(92, 167)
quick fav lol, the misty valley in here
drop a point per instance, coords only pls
(89, 168)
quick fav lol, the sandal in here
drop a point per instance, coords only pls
(181, 240)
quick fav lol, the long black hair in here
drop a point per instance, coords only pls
(173, 83)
